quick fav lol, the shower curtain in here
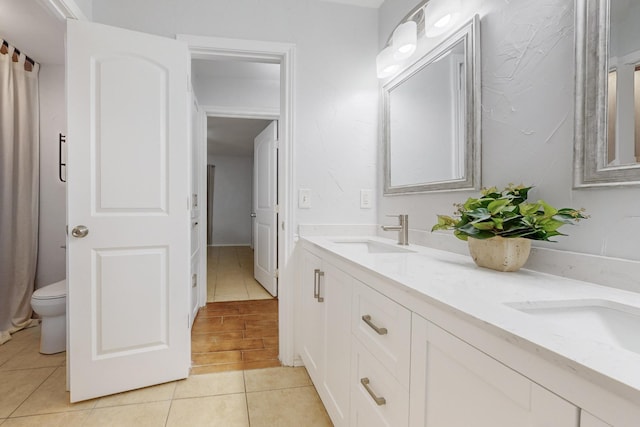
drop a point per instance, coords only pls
(19, 176)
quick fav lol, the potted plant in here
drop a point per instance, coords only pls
(502, 224)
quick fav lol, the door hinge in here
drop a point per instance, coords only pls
(276, 273)
(276, 208)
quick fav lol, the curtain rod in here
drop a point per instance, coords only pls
(16, 50)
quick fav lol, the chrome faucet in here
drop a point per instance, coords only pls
(402, 228)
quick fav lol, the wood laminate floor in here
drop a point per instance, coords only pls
(235, 335)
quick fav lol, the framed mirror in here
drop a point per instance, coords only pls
(431, 119)
(607, 122)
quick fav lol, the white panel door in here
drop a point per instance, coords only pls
(265, 196)
(128, 183)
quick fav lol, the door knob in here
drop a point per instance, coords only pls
(79, 231)
(253, 214)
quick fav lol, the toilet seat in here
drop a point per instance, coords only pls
(53, 291)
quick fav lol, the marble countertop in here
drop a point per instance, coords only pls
(455, 281)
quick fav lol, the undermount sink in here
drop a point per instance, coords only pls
(371, 246)
(605, 321)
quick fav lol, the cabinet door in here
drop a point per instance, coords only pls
(456, 385)
(312, 317)
(335, 291)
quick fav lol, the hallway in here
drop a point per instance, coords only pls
(230, 275)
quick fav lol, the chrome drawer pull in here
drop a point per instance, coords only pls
(317, 274)
(379, 400)
(367, 320)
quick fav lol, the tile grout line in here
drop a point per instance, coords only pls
(246, 397)
(33, 391)
(173, 395)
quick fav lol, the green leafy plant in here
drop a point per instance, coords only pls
(507, 214)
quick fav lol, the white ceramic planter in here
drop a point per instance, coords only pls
(498, 253)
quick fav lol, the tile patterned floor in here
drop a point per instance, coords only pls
(230, 275)
(32, 393)
(235, 335)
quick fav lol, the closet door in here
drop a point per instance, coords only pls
(128, 209)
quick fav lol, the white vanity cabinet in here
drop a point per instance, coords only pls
(455, 385)
(325, 335)
(383, 353)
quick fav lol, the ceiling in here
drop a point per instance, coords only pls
(232, 136)
(32, 28)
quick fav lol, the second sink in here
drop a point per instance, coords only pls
(605, 321)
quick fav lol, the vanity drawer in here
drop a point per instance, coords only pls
(377, 398)
(384, 328)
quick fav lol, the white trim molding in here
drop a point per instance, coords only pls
(65, 9)
(213, 48)
(241, 112)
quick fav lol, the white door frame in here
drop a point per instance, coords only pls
(214, 48)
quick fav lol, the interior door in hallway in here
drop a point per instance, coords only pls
(128, 209)
(265, 200)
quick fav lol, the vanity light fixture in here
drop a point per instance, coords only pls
(405, 39)
(440, 16)
(386, 63)
(431, 18)
(401, 44)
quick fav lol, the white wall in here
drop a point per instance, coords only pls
(234, 93)
(527, 124)
(232, 199)
(336, 94)
(86, 6)
(51, 258)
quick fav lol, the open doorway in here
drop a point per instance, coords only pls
(231, 211)
(238, 327)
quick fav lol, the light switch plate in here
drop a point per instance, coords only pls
(366, 199)
(304, 198)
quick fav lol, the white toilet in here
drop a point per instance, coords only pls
(50, 302)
